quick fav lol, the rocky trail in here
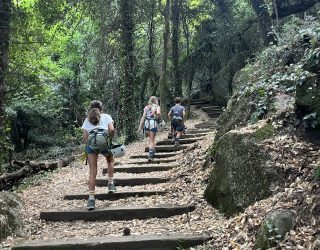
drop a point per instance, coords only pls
(158, 205)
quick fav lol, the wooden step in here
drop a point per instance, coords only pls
(152, 162)
(211, 108)
(117, 213)
(166, 149)
(132, 181)
(181, 141)
(132, 242)
(139, 169)
(115, 196)
(196, 131)
(190, 136)
(157, 156)
(199, 101)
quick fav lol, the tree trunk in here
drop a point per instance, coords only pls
(264, 20)
(127, 87)
(163, 74)
(5, 13)
(189, 67)
(177, 81)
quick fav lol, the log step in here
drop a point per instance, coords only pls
(182, 141)
(190, 136)
(152, 162)
(194, 131)
(132, 242)
(117, 213)
(132, 181)
(115, 196)
(139, 169)
(211, 108)
(167, 149)
(157, 156)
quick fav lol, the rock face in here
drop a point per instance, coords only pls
(241, 175)
(10, 222)
(273, 228)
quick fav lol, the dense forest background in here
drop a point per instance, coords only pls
(56, 56)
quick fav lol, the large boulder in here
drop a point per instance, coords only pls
(10, 221)
(273, 228)
(237, 114)
(241, 175)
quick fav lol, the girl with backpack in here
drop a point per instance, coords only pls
(98, 131)
(149, 123)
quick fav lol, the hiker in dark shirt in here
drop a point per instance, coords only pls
(177, 115)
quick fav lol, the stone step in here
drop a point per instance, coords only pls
(115, 196)
(189, 136)
(152, 162)
(181, 141)
(166, 149)
(132, 181)
(132, 242)
(117, 213)
(139, 169)
(157, 156)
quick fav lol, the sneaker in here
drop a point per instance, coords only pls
(111, 187)
(150, 155)
(91, 205)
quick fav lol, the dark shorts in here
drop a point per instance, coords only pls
(177, 125)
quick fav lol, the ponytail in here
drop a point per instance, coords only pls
(94, 116)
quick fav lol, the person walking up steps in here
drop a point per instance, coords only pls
(98, 131)
(177, 115)
(149, 123)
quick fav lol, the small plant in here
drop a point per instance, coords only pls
(310, 120)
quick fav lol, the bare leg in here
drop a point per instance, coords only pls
(110, 162)
(152, 137)
(92, 161)
(179, 133)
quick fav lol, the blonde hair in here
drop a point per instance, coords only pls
(152, 99)
(94, 116)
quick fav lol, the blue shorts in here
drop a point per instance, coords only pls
(151, 125)
(154, 130)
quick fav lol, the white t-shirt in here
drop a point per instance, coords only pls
(105, 120)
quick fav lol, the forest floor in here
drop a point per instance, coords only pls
(187, 185)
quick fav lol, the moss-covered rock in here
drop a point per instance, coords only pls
(308, 100)
(237, 114)
(10, 221)
(241, 175)
(273, 228)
